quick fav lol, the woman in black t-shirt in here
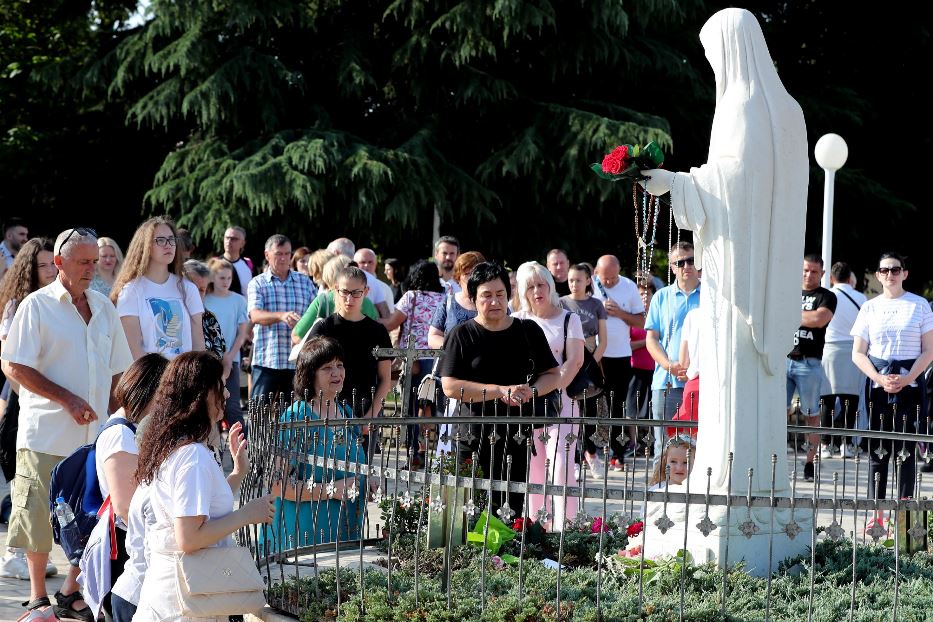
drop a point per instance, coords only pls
(490, 358)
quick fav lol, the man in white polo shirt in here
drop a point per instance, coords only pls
(66, 350)
(625, 309)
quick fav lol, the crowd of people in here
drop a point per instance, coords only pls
(152, 343)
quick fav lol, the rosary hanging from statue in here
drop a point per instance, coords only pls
(627, 162)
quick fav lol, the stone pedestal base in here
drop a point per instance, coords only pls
(761, 553)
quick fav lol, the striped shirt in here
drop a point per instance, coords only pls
(267, 292)
(893, 327)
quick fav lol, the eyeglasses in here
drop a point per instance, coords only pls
(81, 231)
(355, 293)
(681, 439)
(686, 261)
(895, 270)
(163, 242)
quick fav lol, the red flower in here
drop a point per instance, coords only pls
(612, 164)
(620, 152)
(634, 529)
(598, 525)
(518, 524)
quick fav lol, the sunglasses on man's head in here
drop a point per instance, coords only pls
(81, 231)
(895, 270)
(686, 261)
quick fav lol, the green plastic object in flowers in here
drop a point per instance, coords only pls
(628, 161)
(499, 533)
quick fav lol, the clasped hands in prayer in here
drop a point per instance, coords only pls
(893, 383)
(515, 394)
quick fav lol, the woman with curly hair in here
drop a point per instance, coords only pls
(191, 500)
(32, 269)
(160, 310)
(414, 312)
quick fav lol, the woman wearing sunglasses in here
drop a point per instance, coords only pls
(893, 346)
(160, 309)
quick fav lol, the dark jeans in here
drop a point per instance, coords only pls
(121, 610)
(232, 411)
(618, 372)
(900, 417)
(275, 381)
(116, 569)
(847, 413)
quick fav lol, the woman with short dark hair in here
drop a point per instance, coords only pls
(327, 497)
(893, 335)
(116, 458)
(493, 362)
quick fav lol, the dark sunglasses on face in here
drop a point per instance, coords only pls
(895, 270)
(686, 261)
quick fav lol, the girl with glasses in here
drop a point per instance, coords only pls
(893, 346)
(368, 380)
(160, 309)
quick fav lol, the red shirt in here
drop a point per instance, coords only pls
(641, 358)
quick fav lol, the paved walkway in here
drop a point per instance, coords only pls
(13, 591)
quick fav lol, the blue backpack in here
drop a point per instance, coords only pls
(75, 479)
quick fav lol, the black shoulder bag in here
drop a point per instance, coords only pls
(589, 381)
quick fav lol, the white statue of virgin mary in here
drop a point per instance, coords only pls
(747, 209)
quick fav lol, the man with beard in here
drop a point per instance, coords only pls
(446, 251)
(15, 235)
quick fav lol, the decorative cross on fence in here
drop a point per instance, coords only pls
(408, 355)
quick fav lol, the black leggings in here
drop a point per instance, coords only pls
(904, 416)
(848, 412)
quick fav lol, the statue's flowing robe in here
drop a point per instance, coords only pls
(747, 209)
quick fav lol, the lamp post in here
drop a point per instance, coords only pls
(831, 152)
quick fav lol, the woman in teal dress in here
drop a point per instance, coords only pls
(319, 503)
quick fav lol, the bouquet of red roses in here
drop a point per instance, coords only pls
(628, 161)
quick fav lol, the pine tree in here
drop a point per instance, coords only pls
(372, 115)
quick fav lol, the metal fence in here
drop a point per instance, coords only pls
(394, 511)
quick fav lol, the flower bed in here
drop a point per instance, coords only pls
(747, 596)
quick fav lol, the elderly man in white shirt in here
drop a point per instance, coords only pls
(66, 350)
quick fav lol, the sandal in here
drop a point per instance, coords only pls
(36, 610)
(64, 609)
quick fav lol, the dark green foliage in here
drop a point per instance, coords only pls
(746, 601)
(361, 118)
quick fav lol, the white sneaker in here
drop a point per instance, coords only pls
(849, 450)
(825, 452)
(50, 569)
(596, 467)
(13, 566)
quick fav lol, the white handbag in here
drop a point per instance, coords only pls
(219, 581)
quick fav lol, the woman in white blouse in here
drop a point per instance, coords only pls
(541, 304)
(893, 346)
(191, 500)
